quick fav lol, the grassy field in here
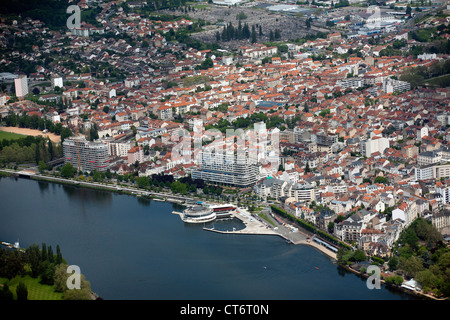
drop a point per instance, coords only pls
(10, 135)
(36, 291)
(441, 81)
(266, 218)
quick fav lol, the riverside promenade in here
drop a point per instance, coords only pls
(252, 225)
(256, 227)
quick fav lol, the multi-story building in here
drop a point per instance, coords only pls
(21, 86)
(429, 157)
(390, 85)
(278, 188)
(353, 82)
(303, 192)
(376, 144)
(86, 155)
(350, 229)
(226, 169)
(57, 82)
(445, 193)
(424, 173)
(441, 219)
(136, 154)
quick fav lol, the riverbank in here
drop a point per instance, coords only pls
(268, 231)
(253, 226)
(419, 294)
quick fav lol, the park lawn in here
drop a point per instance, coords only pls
(440, 81)
(265, 217)
(36, 291)
(10, 135)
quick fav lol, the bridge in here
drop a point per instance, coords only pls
(55, 162)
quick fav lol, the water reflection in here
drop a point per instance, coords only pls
(116, 236)
(144, 201)
(43, 187)
(88, 196)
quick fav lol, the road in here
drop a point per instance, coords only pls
(113, 187)
(411, 23)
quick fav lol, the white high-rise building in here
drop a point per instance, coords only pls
(57, 82)
(226, 169)
(21, 85)
(86, 155)
(376, 144)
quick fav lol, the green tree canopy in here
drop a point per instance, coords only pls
(68, 171)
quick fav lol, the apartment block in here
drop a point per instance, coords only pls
(227, 170)
(86, 155)
(21, 86)
(136, 154)
(376, 144)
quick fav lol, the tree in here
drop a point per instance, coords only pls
(206, 64)
(42, 166)
(397, 280)
(393, 263)
(33, 257)
(93, 133)
(380, 179)
(254, 39)
(65, 133)
(241, 16)
(142, 182)
(427, 279)
(178, 187)
(277, 34)
(408, 10)
(59, 258)
(50, 149)
(84, 293)
(411, 266)
(68, 171)
(308, 23)
(330, 227)
(44, 252)
(359, 256)
(37, 153)
(307, 169)
(22, 291)
(48, 273)
(5, 293)
(50, 255)
(60, 282)
(60, 278)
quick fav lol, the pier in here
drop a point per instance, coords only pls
(294, 236)
(252, 225)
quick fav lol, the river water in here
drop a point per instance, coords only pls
(135, 249)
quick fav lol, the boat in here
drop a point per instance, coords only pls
(157, 199)
(198, 214)
(8, 245)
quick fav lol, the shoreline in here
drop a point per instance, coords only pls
(263, 229)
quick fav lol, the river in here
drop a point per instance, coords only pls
(131, 248)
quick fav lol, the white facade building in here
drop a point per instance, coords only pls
(376, 144)
(57, 82)
(21, 86)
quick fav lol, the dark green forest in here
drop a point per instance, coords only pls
(51, 12)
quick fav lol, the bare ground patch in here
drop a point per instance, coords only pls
(31, 132)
